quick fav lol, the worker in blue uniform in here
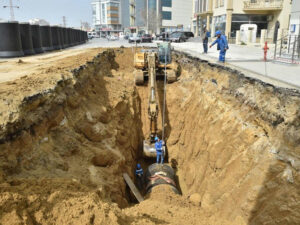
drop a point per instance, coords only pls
(139, 174)
(222, 45)
(159, 150)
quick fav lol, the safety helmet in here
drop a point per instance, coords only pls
(138, 166)
(156, 138)
(218, 32)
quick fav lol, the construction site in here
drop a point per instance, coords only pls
(73, 122)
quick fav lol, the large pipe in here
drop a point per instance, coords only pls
(10, 40)
(158, 174)
(26, 37)
(36, 38)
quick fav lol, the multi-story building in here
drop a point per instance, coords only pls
(106, 16)
(295, 18)
(168, 15)
(229, 15)
(128, 15)
(141, 13)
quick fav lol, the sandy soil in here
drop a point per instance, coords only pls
(67, 137)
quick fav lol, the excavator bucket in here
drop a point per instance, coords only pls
(149, 150)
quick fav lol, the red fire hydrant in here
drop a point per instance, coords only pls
(265, 51)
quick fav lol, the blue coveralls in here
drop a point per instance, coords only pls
(205, 41)
(139, 173)
(222, 44)
(159, 151)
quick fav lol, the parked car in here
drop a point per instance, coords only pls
(188, 34)
(163, 36)
(178, 37)
(112, 38)
(134, 38)
(147, 38)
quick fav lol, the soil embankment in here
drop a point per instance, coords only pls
(68, 134)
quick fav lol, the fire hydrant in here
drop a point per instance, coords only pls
(266, 48)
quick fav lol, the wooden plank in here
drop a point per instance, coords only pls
(133, 188)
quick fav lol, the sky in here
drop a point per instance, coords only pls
(50, 10)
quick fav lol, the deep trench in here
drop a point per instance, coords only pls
(232, 140)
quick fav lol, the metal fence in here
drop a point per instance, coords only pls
(288, 49)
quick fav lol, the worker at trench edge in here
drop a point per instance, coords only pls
(159, 150)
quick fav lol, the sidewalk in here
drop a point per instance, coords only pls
(250, 60)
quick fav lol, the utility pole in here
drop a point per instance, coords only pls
(64, 21)
(11, 7)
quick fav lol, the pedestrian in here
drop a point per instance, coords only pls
(222, 45)
(205, 36)
(139, 173)
(159, 150)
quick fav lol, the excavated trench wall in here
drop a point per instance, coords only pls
(234, 142)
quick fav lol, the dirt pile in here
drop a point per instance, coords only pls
(65, 143)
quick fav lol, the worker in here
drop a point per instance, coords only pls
(222, 45)
(159, 150)
(205, 36)
(139, 173)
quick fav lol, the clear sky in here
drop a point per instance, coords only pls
(50, 10)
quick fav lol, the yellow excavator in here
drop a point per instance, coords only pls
(152, 65)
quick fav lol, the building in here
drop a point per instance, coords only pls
(141, 14)
(295, 18)
(106, 16)
(168, 15)
(229, 15)
(128, 15)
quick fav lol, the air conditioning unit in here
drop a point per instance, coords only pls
(270, 18)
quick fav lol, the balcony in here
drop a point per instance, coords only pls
(263, 5)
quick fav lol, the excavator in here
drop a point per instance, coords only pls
(152, 65)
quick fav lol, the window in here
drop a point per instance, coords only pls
(166, 3)
(221, 3)
(216, 3)
(166, 15)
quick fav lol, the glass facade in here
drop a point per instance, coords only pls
(166, 3)
(166, 15)
(239, 19)
(152, 4)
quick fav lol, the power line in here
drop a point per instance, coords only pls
(11, 6)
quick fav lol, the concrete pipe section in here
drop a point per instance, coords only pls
(36, 38)
(158, 174)
(26, 38)
(10, 40)
(46, 38)
(56, 39)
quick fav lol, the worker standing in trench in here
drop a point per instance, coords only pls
(222, 45)
(159, 150)
(139, 173)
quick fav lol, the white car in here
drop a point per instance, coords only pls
(134, 38)
(112, 38)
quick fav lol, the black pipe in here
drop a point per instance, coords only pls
(10, 40)
(26, 38)
(46, 34)
(36, 38)
(158, 174)
(56, 39)
(62, 38)
(66, 37)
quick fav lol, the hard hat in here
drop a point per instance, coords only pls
(138, 166)
(218, 32)
(156, 138)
